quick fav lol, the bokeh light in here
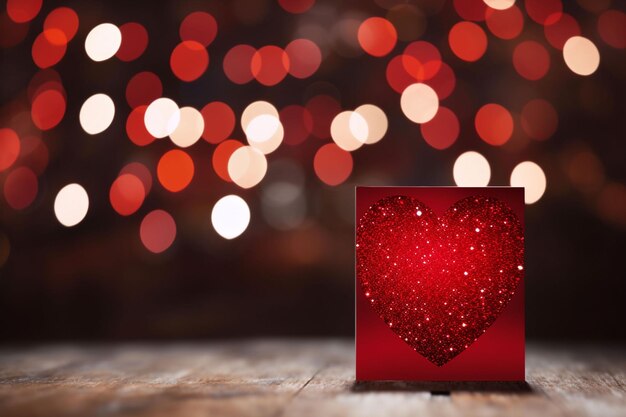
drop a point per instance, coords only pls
(162, 117)
(270, 65)
(134, 41)
(471, 169)
(230, 216)
(419, 103)
(175, 170)
(296, 6)
(20, 188)
(505, 24)
(443, 130)
(468, 41)
(427, 56)
(349, 130)
(581, 55)
(127, 194)
(48, 109)
(189, 129)
(63, 19)
(219, 121)
(265, 132)
(544, 12)
(612, 28)
(499, 4)
(332, 164)
(71, 205)
(237, 64)
(323, 109)
(157, 231)
(470, 9)
(494, 124)
(376, 120)
(200, 27)
(408, 20)
(97, 113)
(530, 176)
(9, 147)
(377, 36)
(140, 171)
(49, 48)
(247, 166)
(539, 119)
(305, 58)
(103, 41)
(297, 123)
(21, 11)
(560, 31)
(189, 60)
(143, 88)
(136, 127)
(531, 60)
(221, 156)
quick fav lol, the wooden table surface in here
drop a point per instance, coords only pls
(289, 378)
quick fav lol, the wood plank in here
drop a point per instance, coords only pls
(289, 378)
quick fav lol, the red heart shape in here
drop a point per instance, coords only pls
(439, 283)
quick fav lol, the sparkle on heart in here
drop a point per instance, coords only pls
(439, 283)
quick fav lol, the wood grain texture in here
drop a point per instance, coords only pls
(289, 378)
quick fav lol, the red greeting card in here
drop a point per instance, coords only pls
(440, 283)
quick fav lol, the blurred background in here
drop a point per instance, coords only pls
(128, 128)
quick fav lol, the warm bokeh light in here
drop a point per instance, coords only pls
(189, 129)
(376, 121)
(200, 27)
(419, 103)
(505, 24)
(470, 9)
(297, 122)
(71, 205)
(134, 41)
(64, 19)
(20, 188)
(270, 65)
(494, 124)
(323, 109)
(581, 55)
(127, 194)
(531, 60)
(612, 28)
(544, 12)
(296, 6)
(219, 121)
(49, 48)
(349, 130)
(560, 31)
(377, 36)
(247, 166)
(444, 82)
(175, 170)
(443, 130)
(305, 58)
(157, 231)
(97, 114)
(136, 127)
(265, 132)
(221, 156)
(162, 117)
(143, 88)
(255, 109)
(140, 171)
(230, 216)
(48, 109)
(9, 148)
(530, 176)
(103, 41)
(428, 57)
(21, 11)
(499, 4)
(332, 164)
(539, 119)
(34, 154)
(402, 71)
(471, 169)
(189, 60)
(409, 20)
(468, 41)
(237, 64)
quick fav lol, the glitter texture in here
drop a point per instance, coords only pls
(439, 283)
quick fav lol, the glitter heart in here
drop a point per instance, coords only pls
(439, 282)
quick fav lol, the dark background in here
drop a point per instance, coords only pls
(96, 281)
